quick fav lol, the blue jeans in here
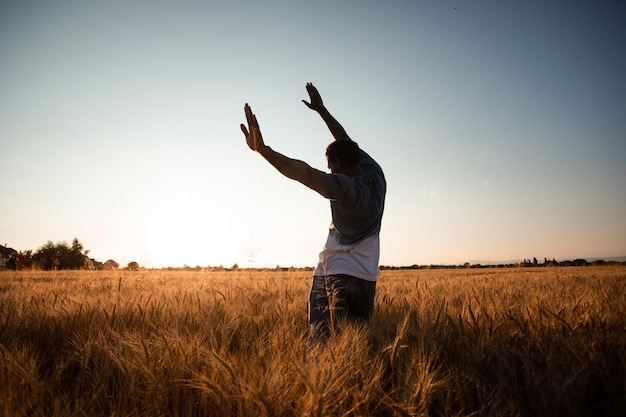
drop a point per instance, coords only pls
(338, 297)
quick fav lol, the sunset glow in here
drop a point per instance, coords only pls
(500, 127)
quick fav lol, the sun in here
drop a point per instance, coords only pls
(183, 231)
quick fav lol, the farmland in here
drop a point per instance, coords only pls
(488, 342)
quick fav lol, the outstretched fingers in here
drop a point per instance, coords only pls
(252, 131)
(249, 115)
(312, 90)
(253, 124)
(315, 97)
(250, 119)
(244, 129)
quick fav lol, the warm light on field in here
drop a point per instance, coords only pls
(491, 342)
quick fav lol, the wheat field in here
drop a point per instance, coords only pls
(467, 342)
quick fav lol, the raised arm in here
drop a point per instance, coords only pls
(317, 104)
(291, 168)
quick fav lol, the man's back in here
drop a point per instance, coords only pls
(357, 202)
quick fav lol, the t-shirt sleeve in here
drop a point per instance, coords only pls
(344, 189)
(341, 188)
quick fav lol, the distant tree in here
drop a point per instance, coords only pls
(133, 266)
(46, 257)
(74, 258)
(52, 256)
(11, 262)
(25, 260)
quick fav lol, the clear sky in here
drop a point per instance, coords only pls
(500, 125)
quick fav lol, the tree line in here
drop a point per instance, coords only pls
(54, 256)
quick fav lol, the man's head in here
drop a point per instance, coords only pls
(343, 157)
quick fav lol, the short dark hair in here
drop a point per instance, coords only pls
(346, 151)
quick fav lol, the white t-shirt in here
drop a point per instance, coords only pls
(357, 204)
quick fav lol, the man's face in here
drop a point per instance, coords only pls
(334, 165)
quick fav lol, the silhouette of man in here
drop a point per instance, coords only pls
(344, 281)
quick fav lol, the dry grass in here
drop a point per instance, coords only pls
(510, 342)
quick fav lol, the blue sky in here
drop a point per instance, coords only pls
(500, 125)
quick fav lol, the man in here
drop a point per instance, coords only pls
(344, 281)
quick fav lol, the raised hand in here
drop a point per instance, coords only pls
(316, 99)
(317, 104)
(254, 139)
